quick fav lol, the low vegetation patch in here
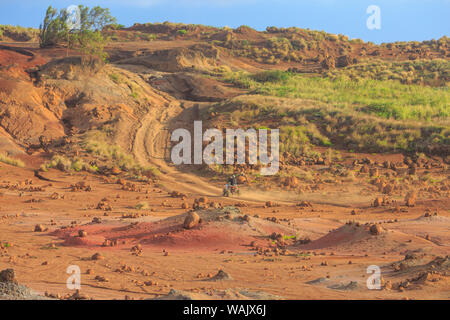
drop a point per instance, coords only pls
(387, 99)
(434, 72)
(142, 206)
(11, 161)
(98, 144)
(18, 33)
(307, 123)
(64, 164)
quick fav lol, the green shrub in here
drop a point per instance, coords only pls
(142, 206)
(271, 76)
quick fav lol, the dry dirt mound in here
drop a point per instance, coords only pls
(414, 272)
(215, 229)
(221, 276)
(433, 219)
(23, 112)
(227, 294)
(71, 95)
(433, 227)
(193, 87)
(419, 261)
(346, 234)
(368, 237)
(177, 59)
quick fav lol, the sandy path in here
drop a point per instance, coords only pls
(150, 147)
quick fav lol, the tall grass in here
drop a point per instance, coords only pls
(68, 165)
(434, 72)
(11, 161)
(385, 98)
(99, 144)
(18, 33)
(304, 123)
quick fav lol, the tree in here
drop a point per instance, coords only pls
(87, 37)
(54, 29)
(95, 19)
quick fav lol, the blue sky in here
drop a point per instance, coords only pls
(401, 20)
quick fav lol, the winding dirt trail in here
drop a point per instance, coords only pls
(151, 147)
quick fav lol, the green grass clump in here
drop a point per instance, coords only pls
(11, 161)
(115, 78)
(271, 76)
(67, 165)
(299, 139)
(142, 206)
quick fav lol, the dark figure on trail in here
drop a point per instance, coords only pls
(232, 181)
(231, 187)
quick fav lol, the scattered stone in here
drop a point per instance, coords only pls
(39, 228)
(97, 256)
(202, 200)
(97, 220)
(387, 285)
(82, 233)
(376, 229)
(104, 205)
(388, 189)
(373, 172)
(8, 275)
(271, 204)
(410, 199)
(78, 296)
(221, 275)
(364, 169)
(191, 221)
(115, 171)
(304, 204)
(136, 250)
(378, 202)
(101, 279)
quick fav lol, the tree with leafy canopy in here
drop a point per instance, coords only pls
(54, 28)
(87, 37)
